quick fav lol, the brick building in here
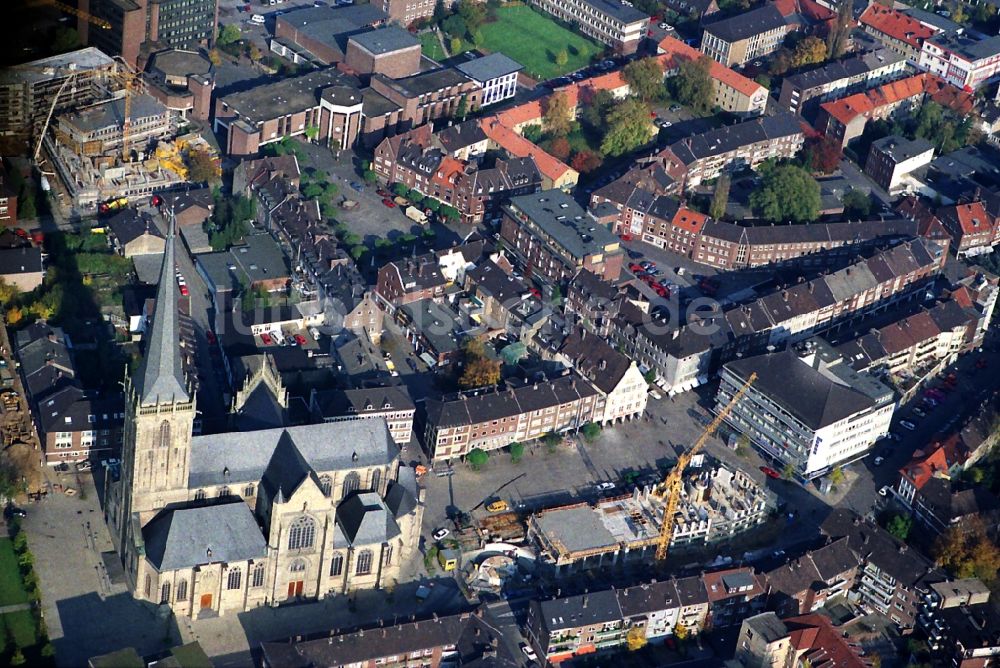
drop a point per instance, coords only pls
(390, 51)
(322, 32)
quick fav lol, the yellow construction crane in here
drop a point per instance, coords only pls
(672, 485)
(100, 23)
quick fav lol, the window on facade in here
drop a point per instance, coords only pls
(388, 554)
(235, 579)
(351, 483)
(199, 495)
(337, 565)
(325, 485)
(149, 584)
(164, 434)
(257, 579)
(302, 533)
(248, 490)
(182, 590)
(376, 479)
(223, 492)
(298, 566)
(364, 566)
(165, 593)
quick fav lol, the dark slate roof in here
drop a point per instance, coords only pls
(460, 135)
(245, 456)
(489, 67)
(70, 409)
(425, 82)
(260, 258)
(336, 403)
(967, 46)
(691, 590)
(130, 224)
(365, 520)
(15, 261)
(645, 598)
(495, 282)
(595, 359)
(900, 148)
(843, 69)
(878, 546)
(401, 494)
(747, 24)
(182, 538)
(731, 137)
(160, 378)
(810, 396)
(618, 11)
(385, 40)
(584, 610)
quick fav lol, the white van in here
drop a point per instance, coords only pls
(258, 19)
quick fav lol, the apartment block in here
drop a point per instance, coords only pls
(973, 228)
(734, 92)
(405, 12)
(392, 403)
(962, 60)
(494, 419)
(397, 105)
(892, 159)
(617, 24)
(496, 74)
(805, 583)
(767, 641)
(730, 147)
(744, 37)
(803, 92)
(808, 409)
(557, 238)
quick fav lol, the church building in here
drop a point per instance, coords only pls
(222, 523)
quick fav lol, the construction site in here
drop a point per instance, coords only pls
(714, 504)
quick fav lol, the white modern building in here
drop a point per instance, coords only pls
(807, 408)
(496, 74)
(962, 60)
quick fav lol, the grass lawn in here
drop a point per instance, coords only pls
(22, 626)
(534, 40)
(431, 46)
(11, 588)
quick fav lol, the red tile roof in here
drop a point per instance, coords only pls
(689, 219)
(972, 217)
(548, 165)
(819, 642)
(896, 25)
(674, 52)
(935, 463)
(848, 108)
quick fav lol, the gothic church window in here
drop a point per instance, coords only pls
(182, 590)
(298, 566)
(164, 434)
(258, 576)
(364, 563)
(235, 579)
(325, 485)
(337, 565)
(302, 533)
(351, 483)
(165, 593)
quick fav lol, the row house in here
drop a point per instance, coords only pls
(493, 419)
(892, 578)
(557, 238)
(765, 640)
(734, 147)
(973, 228)
(801, 93)
(426, 276)
(896, 31)
(592, 303)
(635, 193)
(603, 621)
(926, 488)
(507, 303)
(393, 403)
(475, 191)
(805, 583)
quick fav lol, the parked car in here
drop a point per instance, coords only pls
(906, 424)
(14, 511)
(528, 652)
(440, 533)
(497, 506)
(357, 186)
(919, 413)
(184, 290)
(878, 461)
(769, 472)
(389, 203)
(265, 339)
(605, 486)
(299, 339)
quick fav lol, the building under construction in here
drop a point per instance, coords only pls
(97, 159)
(27, 91)
(716, 503)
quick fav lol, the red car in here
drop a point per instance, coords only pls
(185, 291)
(769, 472)
(635, 268)
(266, 339)
(536, 293)
(626, 237)
(157, 200)
(299, 339)
(389, 203)
(210, 335)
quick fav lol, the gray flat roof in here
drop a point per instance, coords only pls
(385, 40)
(89, 58)
(560, 217)
(328, 24)
(576, 529)
(618, 10)
(287, 96)
(489, 67)
(179, 62)
(112, 112)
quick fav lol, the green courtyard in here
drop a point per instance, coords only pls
(535, 41)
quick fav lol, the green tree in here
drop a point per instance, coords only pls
(473, 13)
(562, 57)
(455, 27)
(645, 79)
(899, 526)
(595, 111)
(556, 295)
(857, 204)
(229, 33)
(462, 110)
(369, 176)
(450, 213)
(788, 472)
(400, 189)
(628, 128)
(516, 452)
(720, 198)
(837, 37)
(455, 45)
(556, 118)
(590, 431)
(787, 193)
(477, 458)
(809, 51)
(836, 476)
(357, 252)
(202, 167)
(693, 85)
(440, 12)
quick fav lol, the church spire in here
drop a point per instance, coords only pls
(161, 378)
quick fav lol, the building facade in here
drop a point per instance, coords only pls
(621, 26)
(745, 37)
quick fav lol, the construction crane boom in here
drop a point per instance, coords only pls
(99, 22)
(672, 484)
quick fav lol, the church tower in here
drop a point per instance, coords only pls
(156, 449)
